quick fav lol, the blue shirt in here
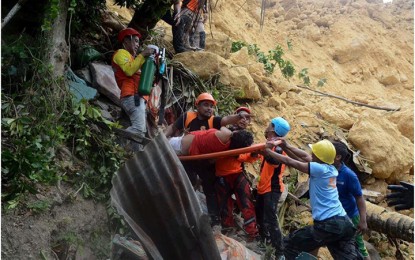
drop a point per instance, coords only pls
(349, 187)
(324, 198)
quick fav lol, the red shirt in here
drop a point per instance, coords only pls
(206, 142)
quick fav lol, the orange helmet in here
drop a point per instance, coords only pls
(240, 109)
(127, 32)
(205, 96)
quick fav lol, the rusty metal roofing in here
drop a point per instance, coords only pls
(157, 200)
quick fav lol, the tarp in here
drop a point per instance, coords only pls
(156, 198)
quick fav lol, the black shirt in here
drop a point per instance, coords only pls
(197, 124)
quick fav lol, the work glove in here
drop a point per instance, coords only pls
(401, 196)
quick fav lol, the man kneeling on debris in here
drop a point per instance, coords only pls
(332, 227)
(211, 141)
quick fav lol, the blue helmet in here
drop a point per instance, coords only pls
(281, 126)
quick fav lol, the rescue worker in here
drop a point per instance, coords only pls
(231, 180)
(211, 141)
(126, 65)
(270, 188)
(350, 195)
(191, 10)
(203, 119)
(332, 227)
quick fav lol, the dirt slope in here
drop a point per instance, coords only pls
(364, 49)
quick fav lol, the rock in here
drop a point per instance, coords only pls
(389, 79)
(404, 119)
(85, 74)
(336, 116)
(403, 78)
(220, 44)
(243, 58)
(291, 14)
(350, 51)
(234, 76)
(104, 81)
(372, 196)
(388, 151)
(373, 253)
(277, 102)
(323, 22)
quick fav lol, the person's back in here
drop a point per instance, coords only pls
(324, 198)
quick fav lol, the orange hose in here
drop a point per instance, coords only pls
(252, 148)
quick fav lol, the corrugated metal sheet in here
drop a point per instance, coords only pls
(156, 198)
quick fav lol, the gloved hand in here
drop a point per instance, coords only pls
(401, 196)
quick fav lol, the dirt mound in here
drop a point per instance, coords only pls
(363, 48)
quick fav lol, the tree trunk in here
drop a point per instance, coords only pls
(393, 224)
(147, 16)
(57, 53)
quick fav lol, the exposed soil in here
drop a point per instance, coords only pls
(365, 51)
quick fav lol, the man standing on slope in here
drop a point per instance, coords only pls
(270, 188)
(126, 65)
(231, 180)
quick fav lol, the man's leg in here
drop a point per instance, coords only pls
(206, 172)
(245, 204)
(271, 224)
(342, 244)
(302, 240)
(182, 30)
(137, 114)
(259, 212)
(223, 191)
(359, 239)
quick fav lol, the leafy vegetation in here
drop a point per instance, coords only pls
(303, 74)
(269, 60)
(39, 117)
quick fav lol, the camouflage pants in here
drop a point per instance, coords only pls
(337, 233)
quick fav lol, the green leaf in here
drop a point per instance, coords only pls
(321, 82)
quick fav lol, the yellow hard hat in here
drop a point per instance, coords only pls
(324, 150)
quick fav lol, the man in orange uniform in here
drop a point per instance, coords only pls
(126, 65)
(270, 187)
(232, 180)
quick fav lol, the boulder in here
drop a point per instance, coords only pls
(236, 77)
(350, 51)
(243, 59)
(103, 80)
(277, 102)
(390, 153)
(219, 43)
(389, 78)
(337, 116)
(405, 121)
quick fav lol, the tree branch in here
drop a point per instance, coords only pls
(12, 12)
(350, 101)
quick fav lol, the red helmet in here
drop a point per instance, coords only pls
(205, 96)
(127, 32)
(239, 109)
